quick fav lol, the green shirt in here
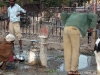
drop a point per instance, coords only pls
(82, 21)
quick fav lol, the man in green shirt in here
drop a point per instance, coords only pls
(76, 24)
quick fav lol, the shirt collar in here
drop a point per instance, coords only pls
(13, 6)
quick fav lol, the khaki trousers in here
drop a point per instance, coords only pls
(14, 28)
(71, 39)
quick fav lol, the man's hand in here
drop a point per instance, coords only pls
(90, 29)
(18, 15)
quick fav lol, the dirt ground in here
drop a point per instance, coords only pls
(86, 48)
(55, 60)
(55, 45)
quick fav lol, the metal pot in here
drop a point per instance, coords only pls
(21, 58)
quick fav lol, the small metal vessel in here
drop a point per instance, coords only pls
(21, 58)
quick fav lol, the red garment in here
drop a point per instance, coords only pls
(11, 58)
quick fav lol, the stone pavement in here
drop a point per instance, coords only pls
(41, 71)
(55, 65)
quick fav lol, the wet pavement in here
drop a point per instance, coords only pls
(55, 65)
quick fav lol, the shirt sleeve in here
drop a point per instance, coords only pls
(64, 17)
(93, 18)
(22, 10)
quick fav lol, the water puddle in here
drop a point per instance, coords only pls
(84, 61)
(56, 61)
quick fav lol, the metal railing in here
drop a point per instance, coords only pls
(31, 24)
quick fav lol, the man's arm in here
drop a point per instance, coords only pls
(90, 29)
(64, 17)
(19, 14)
(93, 18)
(22, 11)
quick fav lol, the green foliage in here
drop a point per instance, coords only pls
(54, 3)
(71, 3)
(50, 3)
(24, 1)
(50, 71)
(2, 4)
(59, 57)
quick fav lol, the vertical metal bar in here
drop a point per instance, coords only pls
(94, 9)
(56, 27)
(33, 21)
(37, 23)
(84, 5)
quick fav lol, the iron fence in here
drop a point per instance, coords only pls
(31, 26)
(32, 22)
